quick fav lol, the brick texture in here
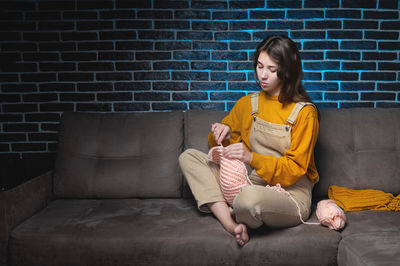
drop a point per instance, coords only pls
(153, 55)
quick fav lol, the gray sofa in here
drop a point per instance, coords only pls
(116, 196)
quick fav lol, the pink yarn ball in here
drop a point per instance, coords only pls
(330, 214)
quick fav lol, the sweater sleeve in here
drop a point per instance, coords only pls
(289, 168)
(233, 121)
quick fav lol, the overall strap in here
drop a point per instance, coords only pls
(297, 108)
(254, 102)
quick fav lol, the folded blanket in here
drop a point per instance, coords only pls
(364, 199)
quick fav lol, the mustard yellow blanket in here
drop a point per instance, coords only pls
(364, 199)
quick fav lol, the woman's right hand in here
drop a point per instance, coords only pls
(221, 132)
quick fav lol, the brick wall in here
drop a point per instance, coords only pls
(157, 55)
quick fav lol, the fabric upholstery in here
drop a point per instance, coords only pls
(381, 249)
(358, 148)
(157, 232)
(129, 164)
(20, 203)
(118, 155)
(299, 245)
(370, 238)
(197, 126)
(371, 222)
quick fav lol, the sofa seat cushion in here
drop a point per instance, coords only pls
(299, 245)
(378, 248)
(371, 222)
(157, 232)
(370, 238)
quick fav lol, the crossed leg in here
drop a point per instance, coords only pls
(203, 179)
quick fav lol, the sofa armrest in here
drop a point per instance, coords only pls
(20, 203)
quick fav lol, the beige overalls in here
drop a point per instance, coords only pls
(255, 204)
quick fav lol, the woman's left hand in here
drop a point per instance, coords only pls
(238, 151)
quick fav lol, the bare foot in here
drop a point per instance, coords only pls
(242, 237)
(221, 210)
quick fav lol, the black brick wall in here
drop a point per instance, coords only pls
(160, 55)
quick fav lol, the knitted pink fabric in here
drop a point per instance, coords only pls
(330, 214)
(233, 174)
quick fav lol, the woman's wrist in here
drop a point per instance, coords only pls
(248, 158)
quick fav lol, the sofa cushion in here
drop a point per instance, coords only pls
(358, 148)
(119, 155)
(198, 126)
(157, 232)
(299, 245)
(371, 222)
(381, 248)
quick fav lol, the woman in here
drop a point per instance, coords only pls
(274, 131)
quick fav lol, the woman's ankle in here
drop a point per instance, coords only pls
(230, 227)
(222, 212)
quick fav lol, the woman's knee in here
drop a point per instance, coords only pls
(246, 200)
(258, 205)
(186, 156)
(247, 208)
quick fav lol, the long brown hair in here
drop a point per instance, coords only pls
(284, 51)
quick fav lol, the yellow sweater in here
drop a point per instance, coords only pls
(363, 199)
(298, 160)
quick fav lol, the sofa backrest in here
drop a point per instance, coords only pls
(119, 155)
(359, 148)
(197, 127)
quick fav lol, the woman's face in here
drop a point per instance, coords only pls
(267, 73)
